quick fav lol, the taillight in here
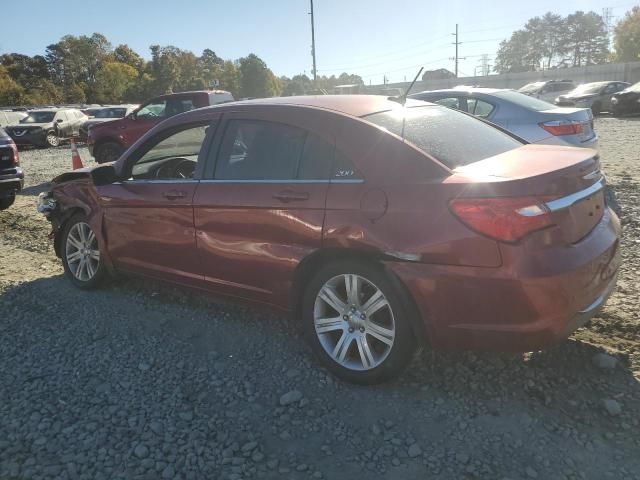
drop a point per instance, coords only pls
(506, 219)
(16, 155)
(562, 127)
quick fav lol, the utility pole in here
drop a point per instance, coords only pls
(456, 43)
(313, 45)
(485, 64)
(607, 18)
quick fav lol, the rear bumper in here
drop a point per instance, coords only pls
(523, 305)
(571, 141)
(11, 182)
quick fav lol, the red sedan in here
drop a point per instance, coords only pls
(379, 225)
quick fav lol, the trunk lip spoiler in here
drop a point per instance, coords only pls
(569, 200)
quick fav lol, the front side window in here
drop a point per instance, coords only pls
(438, 131)
(179, 105)
(171, 157)
(152, 110)
(450, 102)
(39, 117)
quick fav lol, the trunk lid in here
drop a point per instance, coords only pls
(567, 179)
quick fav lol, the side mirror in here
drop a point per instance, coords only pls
(104, 175)
(59, 120)
(132, 116)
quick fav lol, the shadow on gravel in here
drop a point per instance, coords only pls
(36, 189)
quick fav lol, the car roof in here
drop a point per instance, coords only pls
(354, 105)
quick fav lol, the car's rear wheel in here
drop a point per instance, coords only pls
(52, 139)
(108, 152)
(356, 322)
(81, 256)
(7, 202)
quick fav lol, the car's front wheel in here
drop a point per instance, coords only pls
(81, 256)
(356, 322)
(7, 202)
(52, 139)
(108, 152)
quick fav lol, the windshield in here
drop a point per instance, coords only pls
(588, 88)
(39, 117)
(111, 113)
(634, 88)
(438, 130)
(531, 87)
(525, 101)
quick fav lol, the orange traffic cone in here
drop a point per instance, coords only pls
(76, 161)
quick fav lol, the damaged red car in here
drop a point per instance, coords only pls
(381, 225)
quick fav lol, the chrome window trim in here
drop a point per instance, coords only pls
(270, 181)
(565, 202)
(165, 181)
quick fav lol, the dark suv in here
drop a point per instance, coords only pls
(11, 175)
(47, 127)
(109, 140)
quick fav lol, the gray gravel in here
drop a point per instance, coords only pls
(145, 381)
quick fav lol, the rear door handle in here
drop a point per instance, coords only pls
(287, 196)
(174, 194)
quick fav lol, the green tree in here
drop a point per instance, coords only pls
(10, 92)
(627, 37)
(586, 41)
(256, 80)
(124, 54)
(25, 70)
(114, 81)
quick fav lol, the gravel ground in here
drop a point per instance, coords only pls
(140, 380)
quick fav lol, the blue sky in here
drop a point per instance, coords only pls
(372, 38)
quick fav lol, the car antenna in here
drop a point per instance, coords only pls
(402, 99)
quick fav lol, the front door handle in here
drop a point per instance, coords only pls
(174, 194)
(287, 196)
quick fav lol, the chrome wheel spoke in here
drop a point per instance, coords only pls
(95, 254)
(332, 299)
(82, 253)
(90, 268)
(352, 289)
(74, 241)
(342, 347)
(74, 257)
(366, 356)
(381, 333)
(324, 325)
(375, 303)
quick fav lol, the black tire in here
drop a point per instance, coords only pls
(70, 270)
(596, 108)
(7, 202)
(404, 342)
(108, 152)
(52, 139)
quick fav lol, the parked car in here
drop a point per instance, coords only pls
(626, 101)
(105, 114)
(9, 117)
(379, 225)
(547, 90)
(90, 110)
(47, 127)
(108, 141)
(595, 95)
(11, 175)
(534, 120)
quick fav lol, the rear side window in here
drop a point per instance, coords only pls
(451, 137)
(256, 150)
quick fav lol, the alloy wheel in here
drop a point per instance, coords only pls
(82, 253)
(53, 140)
(354, 322)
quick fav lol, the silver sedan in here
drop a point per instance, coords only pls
(534, 120)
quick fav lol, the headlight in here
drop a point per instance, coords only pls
(46, 203)
(614, 100)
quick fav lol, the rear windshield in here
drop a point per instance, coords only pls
(524, 100)
(451, 137)
(531, 87)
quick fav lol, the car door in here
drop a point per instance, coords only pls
(607, 93)
(61, 123)
(260, 208)
(142, 120)
(148, 218)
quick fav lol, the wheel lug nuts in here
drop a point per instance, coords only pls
(362, 329)
(345, 318)
(353, 309)
(363, 316)
(350, 329)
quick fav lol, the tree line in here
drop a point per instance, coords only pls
(579, 39)
(88, 69)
